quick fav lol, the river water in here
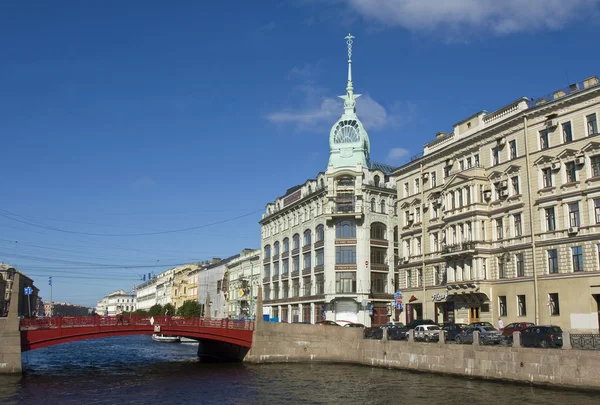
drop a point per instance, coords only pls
(134, 370)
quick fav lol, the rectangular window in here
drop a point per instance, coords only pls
(513, 149)
(597, 210)
(436, 275)
(276, 268)
(447, 171)
(320, 284)
(592, 124)
(550, 219)
(285, 289)
(345, 282)
(286, 266)
(296, 263)
(378, 283)
(307, 261)
(417, 186)
(515, 185)
(595, 166)
(469, 163)
(419, 278)
(433, 179)
(547, 177)
(418, 239)
(418, 215)
(567, 132)
(574, 214)
(544, 144)
(295, 288)
(502, 305)
(267, 270)
(495, 156)
(499, 229)
(553, 303)
(577, 258)
(518, 226)
(552, 261)
(476, 160)
(501, 268)
(319, 257)
(435, 243)
(519, 262)
(408, 278)
(462, 165)
(522, 305)
(571, 172)
(378, 255)
(406, 194)
(345, 255)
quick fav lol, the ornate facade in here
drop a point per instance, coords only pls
(500, 218)
(328, 245)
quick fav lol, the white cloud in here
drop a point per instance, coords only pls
(322, 112)
(396, 155)
(461, 16)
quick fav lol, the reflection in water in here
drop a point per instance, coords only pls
(135, 370)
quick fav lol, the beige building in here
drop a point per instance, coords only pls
(183, 285)
(500, 218)
(27, 302)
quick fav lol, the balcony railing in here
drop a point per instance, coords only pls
(285, 275)
(296, 273)
(295, 251)
(458, 247)
(285, 254)
(306, 271)
(319, 268)
(305, 248)
(276, 257)
(319, 244)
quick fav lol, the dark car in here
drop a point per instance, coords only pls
(488, 335)
(454, 329)
(354, 325)
(394, 330)
(542, 336)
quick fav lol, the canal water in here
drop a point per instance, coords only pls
(134, 370)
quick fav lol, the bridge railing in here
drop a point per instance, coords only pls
(133, 320)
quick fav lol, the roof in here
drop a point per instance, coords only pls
(387, 169)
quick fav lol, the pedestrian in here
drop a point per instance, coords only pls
(500, 324)
(120, 316)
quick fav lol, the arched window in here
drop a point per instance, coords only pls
(396, 234)
(320, 234)
(309, 189)
(322, 183)
(376, 180)
(378, 231)
(372, 205)
(267, 251)
(345, 229)
(307, 238)
(286, 245)
(382, 206)
(276, 248)
(296, 241)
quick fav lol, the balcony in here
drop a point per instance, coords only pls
(267, 259)
(285, 276)
(319, 268)
(305, 248)
(343, 210)
(295, 251)
(266, 279)
(275, 277)
(275, 257)
(306, 271)
(295, 273)
(319, 244)
(285, 254)
(457, 249)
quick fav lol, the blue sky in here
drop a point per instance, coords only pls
(125, 118)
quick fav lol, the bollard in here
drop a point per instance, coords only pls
(442, 337)
(385, 334)
(516, 339)
(411, 335)
(566, 337)
(476, 338)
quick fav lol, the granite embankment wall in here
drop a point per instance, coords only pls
(10, 336)
(281, 343)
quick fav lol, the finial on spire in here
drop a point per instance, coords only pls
(349, 39)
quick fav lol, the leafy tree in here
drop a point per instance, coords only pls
(140, 312)
(168, 309)
(189, 308)
(155, 310)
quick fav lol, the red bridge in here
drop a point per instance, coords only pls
(222, 339)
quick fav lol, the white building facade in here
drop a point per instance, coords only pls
(211, 291)
(242, 279)
(328, 245)
(116, 302)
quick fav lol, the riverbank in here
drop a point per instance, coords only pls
(283, 343)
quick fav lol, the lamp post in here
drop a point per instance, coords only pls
(252, 289)
(50, 284)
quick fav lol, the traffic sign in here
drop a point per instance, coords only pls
(366, 263)
(28, 290)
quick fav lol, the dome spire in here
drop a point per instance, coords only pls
(350, 97)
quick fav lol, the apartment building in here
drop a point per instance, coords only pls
(240, 285)
(500, 218)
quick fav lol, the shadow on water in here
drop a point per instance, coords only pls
(135, 370)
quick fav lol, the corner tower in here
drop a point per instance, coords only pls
(348, 141)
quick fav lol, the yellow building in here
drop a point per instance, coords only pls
(181, 288)
(500, 218)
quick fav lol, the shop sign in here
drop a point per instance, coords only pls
(439, 297)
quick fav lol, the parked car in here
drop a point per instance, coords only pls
(428, 333)
(342, 322)
(542, 336)
(454, 329)
(330, 323)
(484, 324)
(394, 330)
(373, 332)
(508, 330)
(487, 335)
(401, 333)
(354, 325)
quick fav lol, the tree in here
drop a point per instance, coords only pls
(155, 310)
(140, 312)
(189, 308)
(168, 309)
